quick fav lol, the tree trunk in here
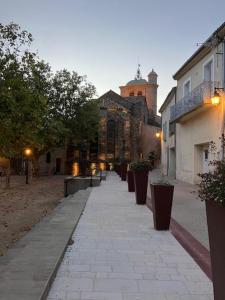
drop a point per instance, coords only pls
(8, 173)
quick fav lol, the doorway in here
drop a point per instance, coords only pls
(205, 159)
(58, 166)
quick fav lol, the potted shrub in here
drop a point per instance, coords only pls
(162, 199)
(140, 171)
(212, 191)
(130, 180)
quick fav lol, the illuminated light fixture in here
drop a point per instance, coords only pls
(75, 169)
(215, 100)
(93, 168)
(102, 166)
(27, 152)
(158, 135)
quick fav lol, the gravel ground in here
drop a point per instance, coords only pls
(24, 205)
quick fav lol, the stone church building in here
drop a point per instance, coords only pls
(128, 124)
(129, 121)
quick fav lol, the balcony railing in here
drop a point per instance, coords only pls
(193, 100)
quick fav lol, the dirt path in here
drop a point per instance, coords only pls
(23, 205)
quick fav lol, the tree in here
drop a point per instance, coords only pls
(23, 86)
(70, 101)
(38, 109)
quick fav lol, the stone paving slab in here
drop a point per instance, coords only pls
(29, 268)
(117, 255)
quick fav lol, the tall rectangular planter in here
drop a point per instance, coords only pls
(141, 185)
(130, 181)
(162, 198)
(216, 230)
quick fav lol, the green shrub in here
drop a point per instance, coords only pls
(142, 165)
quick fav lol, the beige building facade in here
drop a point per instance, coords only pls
(197, 120)
(168, 137)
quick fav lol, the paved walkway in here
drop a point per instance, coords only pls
(28, 269)
(117, 255)
(188, 210)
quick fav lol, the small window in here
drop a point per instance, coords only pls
(187, 88)
(206, 154)
(208, 71)
(131, 94)
(139, 93)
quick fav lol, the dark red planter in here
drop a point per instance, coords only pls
(141, 185)
(216, 230)
(162, 199)
(123, 172)
(130, 181)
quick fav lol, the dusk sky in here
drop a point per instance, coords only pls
(106, 40)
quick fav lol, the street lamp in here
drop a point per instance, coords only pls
(27, 154)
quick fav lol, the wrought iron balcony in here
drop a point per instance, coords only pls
(196, 98)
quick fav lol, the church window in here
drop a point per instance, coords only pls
(139, 93)
(111, 132)
(131, 94)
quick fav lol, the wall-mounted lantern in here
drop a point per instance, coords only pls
(215, 100)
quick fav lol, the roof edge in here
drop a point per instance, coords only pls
(169, 97)
(201, 52)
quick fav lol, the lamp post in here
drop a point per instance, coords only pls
(27, 154)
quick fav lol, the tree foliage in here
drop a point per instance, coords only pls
(70, 101)
(39, 109)
(23, 86)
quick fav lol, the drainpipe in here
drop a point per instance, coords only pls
(223, 85)
(175, 139)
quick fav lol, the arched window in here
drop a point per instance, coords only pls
(139, 93)
(111, 132)
(131, 94)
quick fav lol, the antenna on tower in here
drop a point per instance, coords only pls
(138, 74)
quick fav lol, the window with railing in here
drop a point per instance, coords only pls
(193, 100)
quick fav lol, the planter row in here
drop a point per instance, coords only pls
(161, 195)
(161, 199)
